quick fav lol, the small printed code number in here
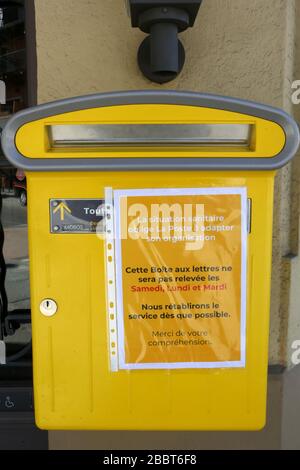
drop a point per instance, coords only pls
(171, 459)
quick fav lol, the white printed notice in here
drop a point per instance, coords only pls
(181, 277)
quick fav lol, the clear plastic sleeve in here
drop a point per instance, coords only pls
(176, 277)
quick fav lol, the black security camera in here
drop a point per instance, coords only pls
(161, 55)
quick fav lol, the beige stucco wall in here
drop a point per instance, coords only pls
(239, 48)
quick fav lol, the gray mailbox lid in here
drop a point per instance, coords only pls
(250, 108)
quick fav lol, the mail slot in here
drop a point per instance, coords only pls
(150, 242)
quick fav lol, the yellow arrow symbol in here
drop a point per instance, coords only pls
(62, 207)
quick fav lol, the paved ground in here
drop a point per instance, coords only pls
(12, 212)
(15, 244)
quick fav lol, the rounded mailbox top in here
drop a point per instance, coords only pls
(150, 130)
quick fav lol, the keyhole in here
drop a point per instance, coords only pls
(48, 307)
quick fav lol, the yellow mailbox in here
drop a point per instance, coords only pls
(150, 239)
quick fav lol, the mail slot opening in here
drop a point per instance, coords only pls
(149, 135)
